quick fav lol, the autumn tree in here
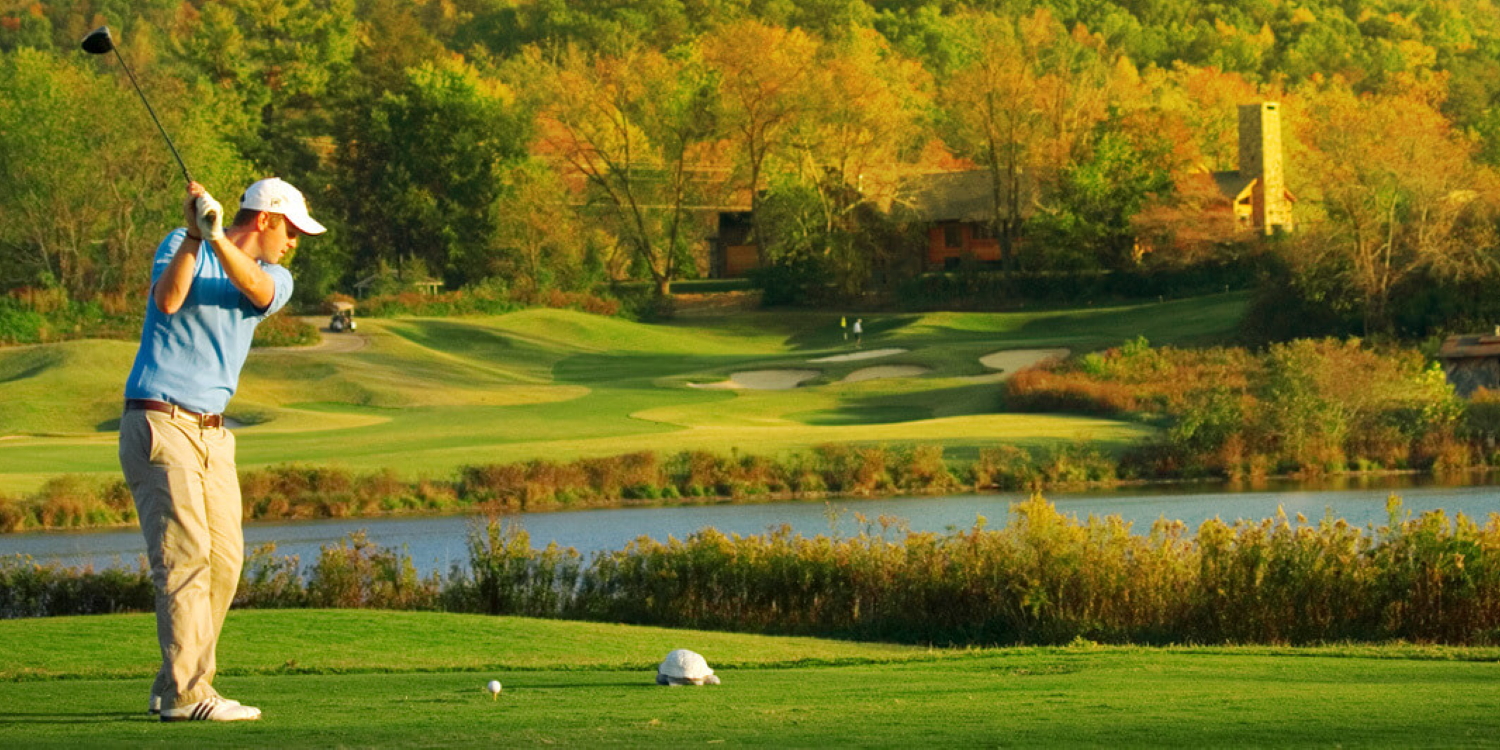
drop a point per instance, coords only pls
(630, 130)
(538, 234)
(1024, 96)
(764, 76)
(1397, 192)
(1207, 100)
(849, 150)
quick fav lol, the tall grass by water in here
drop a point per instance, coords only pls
(1042, 578)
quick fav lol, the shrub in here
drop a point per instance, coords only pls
(357, 574)
(34, 316)
(1005, 467)
(282, 329)
(20, 326)
(922, 469)
(507, 577)
(1306, 407)
(270, 582)
(30, 589)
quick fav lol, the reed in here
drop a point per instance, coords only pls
(1042, 578)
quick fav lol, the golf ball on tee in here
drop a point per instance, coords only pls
(493, 687)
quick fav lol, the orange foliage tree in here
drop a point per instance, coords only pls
(1398, 190)
(1027, 92)
(629, 129)
(765, 85)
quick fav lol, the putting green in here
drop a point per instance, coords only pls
(424, 396)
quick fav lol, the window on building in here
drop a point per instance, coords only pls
(981, 231)
(953, 235)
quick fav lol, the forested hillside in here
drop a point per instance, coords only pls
(523, 147)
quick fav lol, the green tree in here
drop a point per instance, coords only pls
(423, 168)
(85, 198)
(285, 60)
(393, 38)
(25, 29)
(1088, 221)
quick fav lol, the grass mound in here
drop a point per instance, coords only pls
(68, 387)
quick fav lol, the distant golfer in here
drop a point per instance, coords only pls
(210, 287)
(844, 326)
(859, 333)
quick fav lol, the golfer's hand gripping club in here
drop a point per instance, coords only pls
(210, 218)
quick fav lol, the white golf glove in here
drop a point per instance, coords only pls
(210, 218)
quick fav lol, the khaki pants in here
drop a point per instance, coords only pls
(187, 494)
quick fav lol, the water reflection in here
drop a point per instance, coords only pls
(437, 543)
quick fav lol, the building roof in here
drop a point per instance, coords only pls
(950, 196)
(1470, 346)
(1233, 184)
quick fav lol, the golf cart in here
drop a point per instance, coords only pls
(343, 318)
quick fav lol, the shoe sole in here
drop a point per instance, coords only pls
(205, 712)
(194, 718)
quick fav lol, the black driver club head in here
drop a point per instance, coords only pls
(98, 41)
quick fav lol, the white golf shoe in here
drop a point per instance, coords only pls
(155, 707)
(213, 708)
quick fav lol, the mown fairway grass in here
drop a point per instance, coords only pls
(359, 678)
(425, 396)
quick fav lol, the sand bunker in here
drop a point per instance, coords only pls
(885, 371)
(870, 354)
(1013, 360)
(763, 380)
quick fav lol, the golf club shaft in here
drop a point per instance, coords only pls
(152, 112)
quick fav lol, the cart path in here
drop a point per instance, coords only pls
(328, 341)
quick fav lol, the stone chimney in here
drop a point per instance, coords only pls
(1261, 158)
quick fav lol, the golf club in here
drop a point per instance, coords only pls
(99, 42)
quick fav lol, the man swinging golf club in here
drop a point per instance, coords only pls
(210, 287)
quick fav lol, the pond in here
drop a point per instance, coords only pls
(436, 543)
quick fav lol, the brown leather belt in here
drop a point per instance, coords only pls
(204, 420)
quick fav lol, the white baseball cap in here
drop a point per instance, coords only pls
(277, 196)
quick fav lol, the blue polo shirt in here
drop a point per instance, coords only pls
(193, 357)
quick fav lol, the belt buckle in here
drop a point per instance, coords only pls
(205, 421)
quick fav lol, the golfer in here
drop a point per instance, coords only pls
(210, 287)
